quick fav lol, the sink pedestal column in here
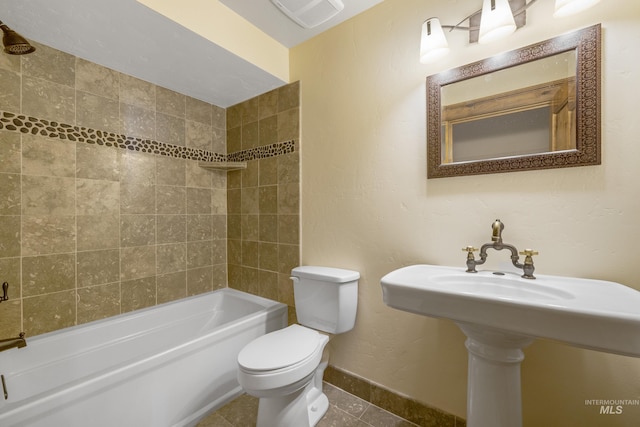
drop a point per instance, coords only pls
(493, 385)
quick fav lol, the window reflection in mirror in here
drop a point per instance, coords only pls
(517, 111)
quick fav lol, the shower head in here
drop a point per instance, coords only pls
(14, 43)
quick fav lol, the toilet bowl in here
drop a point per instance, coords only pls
(284, 368)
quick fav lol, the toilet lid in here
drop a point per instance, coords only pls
(279, 349)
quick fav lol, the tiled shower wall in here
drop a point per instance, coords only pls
(90, 225)
(264, 199)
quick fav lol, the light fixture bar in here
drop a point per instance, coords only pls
(509, 11)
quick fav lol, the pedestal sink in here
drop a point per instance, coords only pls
(502, 313)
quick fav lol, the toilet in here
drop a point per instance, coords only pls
(284, 368)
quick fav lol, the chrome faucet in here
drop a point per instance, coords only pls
(8, 343)
(498, 245)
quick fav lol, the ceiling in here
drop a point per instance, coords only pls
(131, 38)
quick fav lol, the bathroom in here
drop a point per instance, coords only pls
(364, 203)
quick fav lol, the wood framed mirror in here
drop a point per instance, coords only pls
(537, 107)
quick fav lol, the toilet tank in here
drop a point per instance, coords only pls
(326, 298)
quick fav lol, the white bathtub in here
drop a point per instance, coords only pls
(168, 365)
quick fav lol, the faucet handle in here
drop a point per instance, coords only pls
(529, 252)
(469, 249)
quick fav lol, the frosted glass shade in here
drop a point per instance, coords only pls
(433, 43)
(569, 7)
(496, 22)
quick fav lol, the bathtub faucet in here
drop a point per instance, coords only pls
(8, 343)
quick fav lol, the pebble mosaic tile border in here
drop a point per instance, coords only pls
(262, 152)
(50, 129)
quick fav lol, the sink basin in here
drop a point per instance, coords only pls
(587, 313)
(502, 313)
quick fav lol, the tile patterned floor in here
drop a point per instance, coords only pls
(345, 410)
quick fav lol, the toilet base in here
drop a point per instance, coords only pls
(302, 408)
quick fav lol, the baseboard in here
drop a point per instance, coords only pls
(402, 406)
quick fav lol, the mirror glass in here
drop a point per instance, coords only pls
(534, 108)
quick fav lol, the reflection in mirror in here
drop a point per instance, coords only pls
(534, 108)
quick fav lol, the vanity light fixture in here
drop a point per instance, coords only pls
(434, 44)
(496, 19)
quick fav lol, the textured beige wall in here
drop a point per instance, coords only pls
(367, 205)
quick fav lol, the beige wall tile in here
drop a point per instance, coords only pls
(250, 227)
(10, 194)
(218, 117)
(97, 112)
(199, 254)
(10, 272)
(48, 234)
(268, 104)
(199, 228)
(98, 267)
(47, 195)
(50, 64)
(170, 129)
(171, 258)
(134, 91)
(11, 317)
(50, 312)
(171, 171)
(10, 151)
(289, 198)
(96, 79)
(137, 262)
(137, 122)
(171, 200)
(171, 228)
(10, 62)
(137, 198)
(268, 129)
(47, 100)
(198, 111)
(95, 162)
(289, 125)
(137, 230)
(288, 96)
(10, 235)
(98, 232)
(198, 135)
(137, 294)
(10, 91)
(218, 227)
(47, 156)
(269, 228)
(172, 286)
(98, 302)
(97, 197)
(289, 229)
(198, 201)
(47, 274)
(199, 280)
(199, 177)
(250, 135)
(170, 102)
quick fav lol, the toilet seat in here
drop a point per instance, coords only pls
(280, 359)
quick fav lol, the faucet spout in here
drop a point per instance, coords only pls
(497, 227)
(18, 342)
